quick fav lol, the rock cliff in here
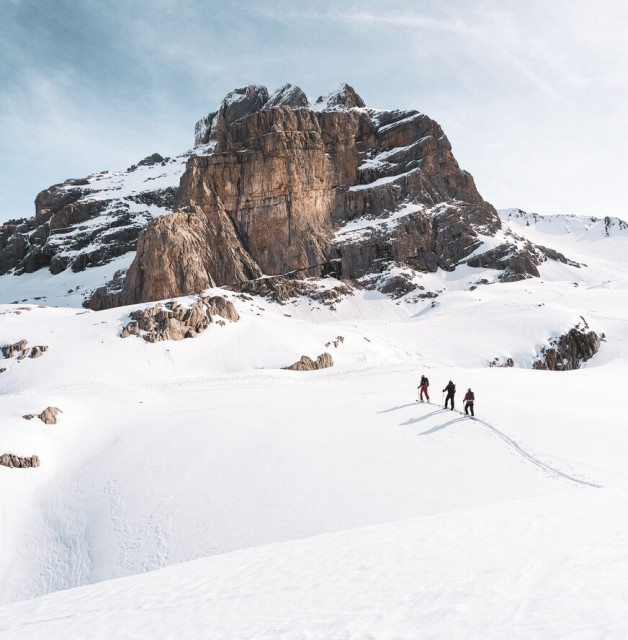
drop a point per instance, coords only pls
(276, 185)
(280, 186)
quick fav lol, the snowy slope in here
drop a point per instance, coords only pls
(550, 568)
(508, 526)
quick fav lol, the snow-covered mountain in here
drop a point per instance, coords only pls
(275, 185)
(193, 486)
(329, 502)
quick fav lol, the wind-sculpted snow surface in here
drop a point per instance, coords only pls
(550, 568)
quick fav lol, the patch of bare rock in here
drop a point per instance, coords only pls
(305, 363)
(49, 415)
(17, 462)
(21, 350)
(570, 350)
(496, 362)
(283, 288)
(173, 321)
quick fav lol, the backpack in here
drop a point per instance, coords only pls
(427, 382)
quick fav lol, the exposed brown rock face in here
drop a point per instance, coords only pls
(173, 321)
(569, 350)
(49, 415)
(17, 462)
(10, 350)
(306, 363)
(20, 349)
(283, 179)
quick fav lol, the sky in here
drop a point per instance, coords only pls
(532, 95)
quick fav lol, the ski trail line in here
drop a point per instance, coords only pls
(534, 460)
(529, 456)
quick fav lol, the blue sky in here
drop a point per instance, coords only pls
(533, 96)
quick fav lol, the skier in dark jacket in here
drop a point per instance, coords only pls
(451, 392)
(425, 383)
(469, 399)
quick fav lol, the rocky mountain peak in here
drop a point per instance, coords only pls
(287, 95)
(245, 101)
(276, 186)
(343, 95)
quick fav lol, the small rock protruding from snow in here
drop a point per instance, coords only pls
(38, 351)
(10, 350)
(305, 363)
(173, 321)
(17, 462)
(49, 415)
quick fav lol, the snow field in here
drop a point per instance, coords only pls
(327, 504)
(539, 568)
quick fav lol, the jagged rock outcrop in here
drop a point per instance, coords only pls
(305, 363)
(49, 415)
(90, 221)
(173, 321)
(569, 350)
(10, 350)
(517, 261)
(17, 462)
(283, 181)
(21, 350)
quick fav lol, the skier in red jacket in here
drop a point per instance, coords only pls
(425, 383)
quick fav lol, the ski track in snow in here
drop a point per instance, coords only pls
(536, 461)
(517, 447)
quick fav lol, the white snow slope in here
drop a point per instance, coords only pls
(195, 489)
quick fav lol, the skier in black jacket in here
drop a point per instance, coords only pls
(451, 392)
(469, 399)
